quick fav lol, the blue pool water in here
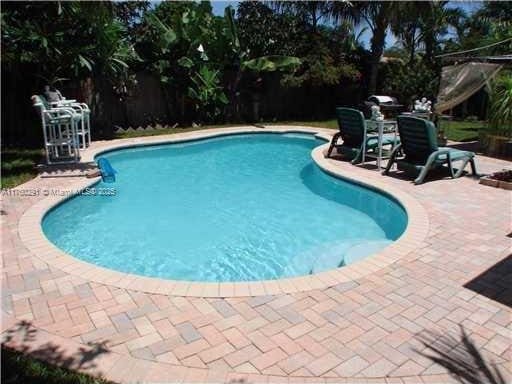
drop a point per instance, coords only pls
(234, 208)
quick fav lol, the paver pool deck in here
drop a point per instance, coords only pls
(434, 307)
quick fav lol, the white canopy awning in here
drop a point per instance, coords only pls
(460, 82)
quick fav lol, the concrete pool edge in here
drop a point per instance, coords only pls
(31, 233)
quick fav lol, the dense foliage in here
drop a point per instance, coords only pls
(210, 68)
(65, 40)
(207, 94)
(490, 24)
(409, 81)
(500, 107)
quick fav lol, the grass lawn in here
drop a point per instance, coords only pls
(462, 130)
(18, 165)
(19, 369)
(454, 130)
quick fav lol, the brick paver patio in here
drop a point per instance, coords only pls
(439, 312)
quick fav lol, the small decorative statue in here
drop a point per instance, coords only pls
(423, 105)
(376, 113)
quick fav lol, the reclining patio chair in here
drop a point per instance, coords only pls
(353, 132)
(421, 154)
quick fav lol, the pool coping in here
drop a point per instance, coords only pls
(31, 233)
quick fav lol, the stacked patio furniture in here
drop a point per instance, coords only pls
(83, 130)
(55, 99)
(66, 128)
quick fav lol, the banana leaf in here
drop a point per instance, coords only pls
(167, 34)
(185, 62)
(231, 27)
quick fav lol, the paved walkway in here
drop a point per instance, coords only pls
(440, 312)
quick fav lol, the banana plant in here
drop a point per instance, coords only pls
(260, 64)
(207, 94)
(240, 61)
(173, 45)
(189, 43)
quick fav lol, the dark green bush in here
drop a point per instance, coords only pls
(409, 82)
(500, 107)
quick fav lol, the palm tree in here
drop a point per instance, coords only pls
(343, 12)
(434, 24)
(490, 24)
(314, 12)
(424, 24)
(311, 12)
(378, 15)
(407, 27)
(352, 40)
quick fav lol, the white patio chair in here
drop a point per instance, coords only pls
(59, 131)
(55, 99)
(83, 131)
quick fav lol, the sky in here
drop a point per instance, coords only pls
(468, 6)
(218, 6)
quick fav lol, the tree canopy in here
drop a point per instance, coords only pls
(209, 62)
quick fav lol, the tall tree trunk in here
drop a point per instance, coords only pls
(378, 40)
(314, 19)
(97, 95)
(432, 20)
(413, 51)
(429, 47)
(168, 101)
(412, 45)
(233, 78)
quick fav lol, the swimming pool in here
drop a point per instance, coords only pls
(234, 208)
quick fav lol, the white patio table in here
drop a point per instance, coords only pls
(382, 127)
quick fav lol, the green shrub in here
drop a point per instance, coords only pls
(500, 106)
(408, 82)
(20, 369)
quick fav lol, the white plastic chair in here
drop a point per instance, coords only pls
(84, 129)
(59, 131)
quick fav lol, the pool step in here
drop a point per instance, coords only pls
(334, 255)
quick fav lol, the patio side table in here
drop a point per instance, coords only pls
(381, 126)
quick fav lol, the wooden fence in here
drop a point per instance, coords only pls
(147, 105)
